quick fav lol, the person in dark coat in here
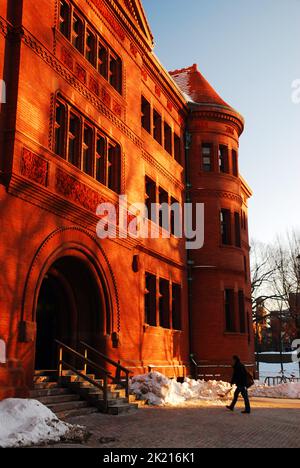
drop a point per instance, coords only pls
(239, 379)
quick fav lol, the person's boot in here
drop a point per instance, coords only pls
(230, 408)
(246, 412)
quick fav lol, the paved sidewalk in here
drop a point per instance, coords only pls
(273, 423)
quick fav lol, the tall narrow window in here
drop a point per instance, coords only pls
(65, 18)
(177, 148)
(168, 138)
(176, 306)
(164, 303)
(60, 125)
(74, 140)
(103, 60)
(78, 33)
(157, 127)
(175, 217)
(88, 150)
(235, 170)
(164, 210)
(237, 226)
(207, 151)
(150, 300)
(150, 196)
(114, 168)
(115, 72)
(223, 159)
(242, 312)
(146, 115)
(101, 159)
(229, 310)
(90, 47)
(226, 227)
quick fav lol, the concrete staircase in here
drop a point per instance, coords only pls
(73, 396)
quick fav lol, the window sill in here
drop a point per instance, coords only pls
(152, 328)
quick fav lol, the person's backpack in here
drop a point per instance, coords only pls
(250, 380)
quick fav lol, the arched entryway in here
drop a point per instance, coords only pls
(72, 306)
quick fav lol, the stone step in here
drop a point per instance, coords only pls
(92, 392)
(69, 405)
(51, 400)
(73, 413)
(48, 392)
(118, 402)
(46, 385)
(122, 409)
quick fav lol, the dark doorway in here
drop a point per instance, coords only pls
(71, 308)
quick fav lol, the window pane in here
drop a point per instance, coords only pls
(229, 310)
(237, 223)
(60, 125)
(151, 199)
(177, 148)
(157, 127)
(87, 165)
(223, 159)
(207, 157)
(164, 303)
(78, 33)
(74, 140)
(168, 139)
(242, 312)
(226, 227)
(150, 300)
(100, 159)
(176, 307)
(146, 115)
(235, 170)
(114, 168)
(115, 70)
(64, 19)
(90, 47)
(164, 210)
(103, 61)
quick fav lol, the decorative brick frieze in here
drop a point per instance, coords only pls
(34, 167)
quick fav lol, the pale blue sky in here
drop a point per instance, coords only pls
(250, 53)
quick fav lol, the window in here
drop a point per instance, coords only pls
(164, 209)
(207, 151)
(65, 19)
(237, 226)
(235, 170)
(88, 156)
(74, 140)
(103, 60)
(86, 40)
(223, 159)
(114, 167)
(229, 310)
(86, 147)
(177, 148)
(78, 33)
(90, 47)
(242, 313)
(168, 138)
(60, 123)
(226, 227)
(151, 198)
(176, 306)
(115, 72)
(246, 269)
(157, 127)
(164, 303)
(175, 230)
(150, 300)
(146, 115)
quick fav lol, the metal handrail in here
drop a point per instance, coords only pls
(87, 362)
(117, 365)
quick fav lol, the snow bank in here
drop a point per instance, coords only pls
(27, 422)
(158, 390)
(288, 390)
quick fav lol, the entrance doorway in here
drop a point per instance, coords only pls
(72, 307)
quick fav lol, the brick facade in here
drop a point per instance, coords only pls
(48, 200)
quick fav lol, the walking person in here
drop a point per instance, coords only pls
(240, 378)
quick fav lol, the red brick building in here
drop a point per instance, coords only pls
(90, 114)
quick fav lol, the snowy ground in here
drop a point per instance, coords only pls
(273, 370)
(24, 423)
(158, 390)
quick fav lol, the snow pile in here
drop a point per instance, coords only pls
(287, 390)
(27, 422)
(158, 390)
